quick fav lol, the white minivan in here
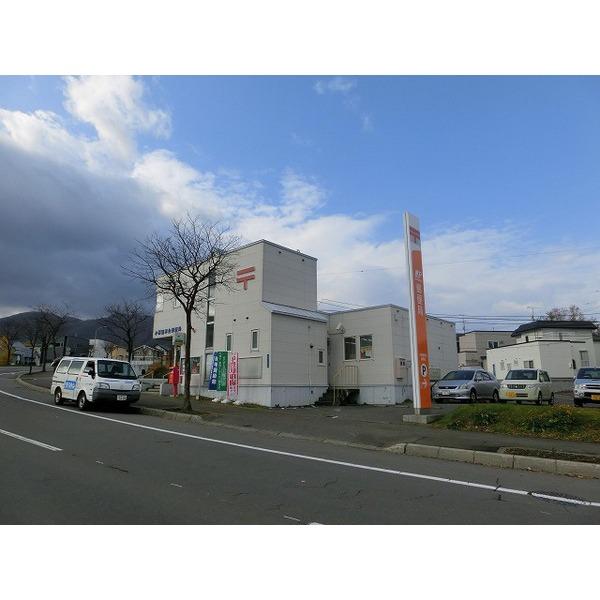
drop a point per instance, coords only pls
(90, 381)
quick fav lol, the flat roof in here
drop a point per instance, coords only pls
(275, 246)
(378, 306)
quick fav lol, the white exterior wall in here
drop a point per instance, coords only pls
(390, 329)
(473, 346)
(297, 378)
(282, 276)
(554, 357)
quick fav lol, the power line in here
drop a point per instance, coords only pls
(458, 262)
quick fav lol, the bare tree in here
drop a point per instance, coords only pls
(571, 313)
(185, 265)
(9, 334)
(31, 335)
(124, 322)
(52, 320)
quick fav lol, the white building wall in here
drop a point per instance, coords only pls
(297, 378)
(390, 329)
(555, 357)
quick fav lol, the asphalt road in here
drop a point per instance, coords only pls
(119, 467)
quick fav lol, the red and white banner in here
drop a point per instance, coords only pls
(417, 314)
(232, 376)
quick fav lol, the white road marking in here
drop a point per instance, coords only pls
(176, 485)
(30, 441)
(292, 519)
(341, 463)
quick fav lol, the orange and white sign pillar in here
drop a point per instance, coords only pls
(417, 314)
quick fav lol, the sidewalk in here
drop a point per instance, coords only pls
(363, 425)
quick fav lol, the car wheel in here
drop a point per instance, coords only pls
(439, 401)
(82, 401)
(539, 399)
(502, 400)
(473, 396)
(495, 396)
(578, 403)
(58, 399)
(551, 401)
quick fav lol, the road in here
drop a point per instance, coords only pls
(58, 465)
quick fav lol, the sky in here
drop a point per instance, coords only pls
(502, 172)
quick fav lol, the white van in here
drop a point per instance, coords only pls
(89, 381)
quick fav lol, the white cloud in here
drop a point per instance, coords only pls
(114, 106)
(336, 85)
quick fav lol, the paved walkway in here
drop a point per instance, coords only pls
(370, 425)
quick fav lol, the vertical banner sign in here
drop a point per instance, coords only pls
(212, 382)
(222, 371)
(418, 317)
(232, 379)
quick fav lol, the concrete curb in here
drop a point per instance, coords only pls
(37, 388)
(477, 457)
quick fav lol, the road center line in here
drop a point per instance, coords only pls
(30, 441)
(447, 480)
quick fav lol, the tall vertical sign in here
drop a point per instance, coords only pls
(418, 317)
(232, 379)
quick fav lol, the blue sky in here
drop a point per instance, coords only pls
(493, 166)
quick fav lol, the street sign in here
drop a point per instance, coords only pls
(178, 339)
(417, 314)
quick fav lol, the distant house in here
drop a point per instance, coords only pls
(559, 347)
(144, 356)
(24, 355)
(472, 346)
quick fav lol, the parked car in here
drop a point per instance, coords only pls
(527, 384)
(466, 384)
(586, 386)
(91, 381)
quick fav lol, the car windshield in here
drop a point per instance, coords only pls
(115, 370)
(588, 374)
(522, 374)
(459, 376)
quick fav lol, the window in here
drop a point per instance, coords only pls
(115, 370)
(528, 364)
(75, 367)
(210, 324)
(349, 348)
(228, 341)
(492, 344)
(584, 358)
(210, 335)
(254, 339)
(526, 338)
(494, 369)
(160, 300)
(321, 356)
(64, 365)
(366, 347)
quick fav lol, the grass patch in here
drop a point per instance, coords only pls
(553, 422)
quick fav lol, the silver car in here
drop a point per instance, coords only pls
(466, 384)
(587, 386)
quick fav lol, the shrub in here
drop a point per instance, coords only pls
(562, 419)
